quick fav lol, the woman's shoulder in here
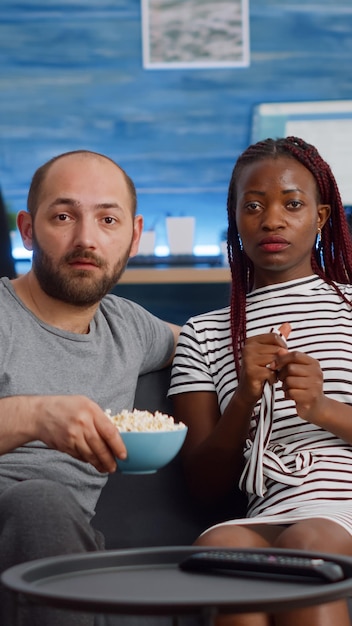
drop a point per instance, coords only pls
(216, 316)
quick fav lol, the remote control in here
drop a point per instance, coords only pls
(281, 566)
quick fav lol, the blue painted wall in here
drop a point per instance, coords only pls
(71, 76)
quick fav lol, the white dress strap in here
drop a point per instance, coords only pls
(262, 459)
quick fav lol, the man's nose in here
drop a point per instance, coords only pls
(85, 233)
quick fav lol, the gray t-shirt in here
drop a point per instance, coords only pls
(37, 359)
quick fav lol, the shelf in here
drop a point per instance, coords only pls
(176, 260)
(176, 275)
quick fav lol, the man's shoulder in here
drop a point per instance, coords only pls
(5, 285)
(114, 304)
(9, 300)
(121, 311)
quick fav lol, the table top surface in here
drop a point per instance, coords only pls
(149, 582)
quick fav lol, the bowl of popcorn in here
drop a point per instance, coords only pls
(152, 440)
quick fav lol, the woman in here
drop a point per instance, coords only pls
(265, 385)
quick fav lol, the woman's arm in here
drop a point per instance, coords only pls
(302, 381)
(213, 450)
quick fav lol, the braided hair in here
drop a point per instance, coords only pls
(331, 260)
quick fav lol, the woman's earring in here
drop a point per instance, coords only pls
(318, 240)
(319, 248)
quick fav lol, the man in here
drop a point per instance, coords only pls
(69, 350)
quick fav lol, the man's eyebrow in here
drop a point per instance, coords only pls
(108, 205)
(63, 201)
(70, 202)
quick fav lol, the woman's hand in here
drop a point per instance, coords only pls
(302, 382)
(258, 362)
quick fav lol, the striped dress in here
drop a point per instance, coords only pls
(294, 469)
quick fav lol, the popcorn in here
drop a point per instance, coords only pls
(142, 421)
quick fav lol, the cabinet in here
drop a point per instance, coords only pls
(175, 294)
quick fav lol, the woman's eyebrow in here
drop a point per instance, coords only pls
(293, 189)
(256, 191)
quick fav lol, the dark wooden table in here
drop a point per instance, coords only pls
(149, 582)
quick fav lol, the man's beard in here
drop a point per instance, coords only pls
(77, 287)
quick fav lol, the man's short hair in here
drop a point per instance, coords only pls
(40, 175)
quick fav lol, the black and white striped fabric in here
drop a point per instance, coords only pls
(296, 469)
(261, 461)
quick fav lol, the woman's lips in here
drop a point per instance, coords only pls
(273, 244)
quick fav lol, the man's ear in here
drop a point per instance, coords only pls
(137, 232)
(25, 226)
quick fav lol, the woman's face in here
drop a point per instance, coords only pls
(278, 216)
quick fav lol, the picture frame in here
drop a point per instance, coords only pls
(190, 34)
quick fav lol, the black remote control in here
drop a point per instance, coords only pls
(280, 566)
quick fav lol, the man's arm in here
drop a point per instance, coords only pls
(175, 331)
(72, 424)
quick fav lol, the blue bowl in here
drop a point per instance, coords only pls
(148, 451)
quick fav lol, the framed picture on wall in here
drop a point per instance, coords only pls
(195, 33)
